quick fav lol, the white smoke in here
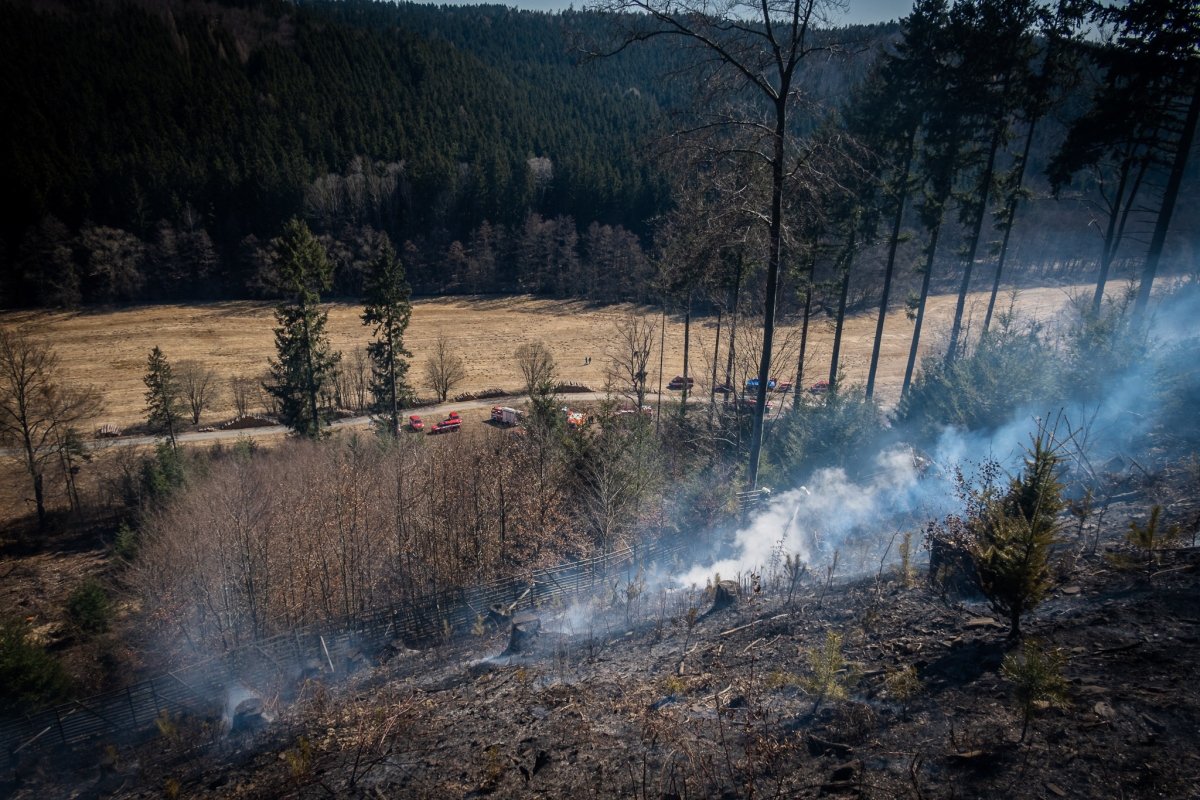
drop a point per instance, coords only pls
(905, 491)
(815, 519)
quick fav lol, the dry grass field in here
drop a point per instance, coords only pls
(108, 347)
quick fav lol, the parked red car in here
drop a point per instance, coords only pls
(448, 425)
(415, 424)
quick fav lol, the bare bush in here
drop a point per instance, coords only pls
(245, 392)
(308, 533)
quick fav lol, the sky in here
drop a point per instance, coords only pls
(860, 11)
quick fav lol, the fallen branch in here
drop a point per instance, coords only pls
(751, 624)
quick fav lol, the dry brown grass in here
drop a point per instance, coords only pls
(108, 347)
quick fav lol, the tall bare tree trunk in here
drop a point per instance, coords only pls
(1163, 223)
(774, 236)
(916, 339)
(662, 345)
(1010, 215)
(891, 262)
(956, 328)
(687, 334)
(1116, 230)
(733, 310)
(847, 261)
(712, 398)
(808, 296)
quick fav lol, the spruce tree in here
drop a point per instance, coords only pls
(306, 365)
(389, 309)
(1012, 538)
(164, 408)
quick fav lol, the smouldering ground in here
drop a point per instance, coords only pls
(640, 704)
(108, 347)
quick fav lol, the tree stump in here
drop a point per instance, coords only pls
(725, 594)
(525, 629)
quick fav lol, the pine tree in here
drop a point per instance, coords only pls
(305, 366)
(945, 132)
(1038, 90)
(1143, 116)
(389, 309)
(1011, 539)
(995, 38)
(1159, 39)
(885, 113)
(164, 406)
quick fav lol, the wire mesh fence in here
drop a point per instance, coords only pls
(325, 650)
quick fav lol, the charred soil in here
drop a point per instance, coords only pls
(657, 700)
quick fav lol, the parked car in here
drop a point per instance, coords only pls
(415, 424)
(449, 425)
(677, 382)
(784, 387)
(818, 387)
(752, 383)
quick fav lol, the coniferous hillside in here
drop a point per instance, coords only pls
(221, 118)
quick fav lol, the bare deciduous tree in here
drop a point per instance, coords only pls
(537, 366)
(358, 378)
(38, 415)
(444, 369)
(748, 61)
(629, 359)
(244, 390)
(536, 363)
(198, 385)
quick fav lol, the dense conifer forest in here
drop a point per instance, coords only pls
(153, 151)
(192, 127)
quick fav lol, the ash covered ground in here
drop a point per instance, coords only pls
(647, 699)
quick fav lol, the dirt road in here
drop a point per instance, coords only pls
(430, 414)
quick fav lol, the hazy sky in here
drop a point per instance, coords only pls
(860, 10)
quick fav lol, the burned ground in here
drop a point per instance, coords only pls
(634, 701)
